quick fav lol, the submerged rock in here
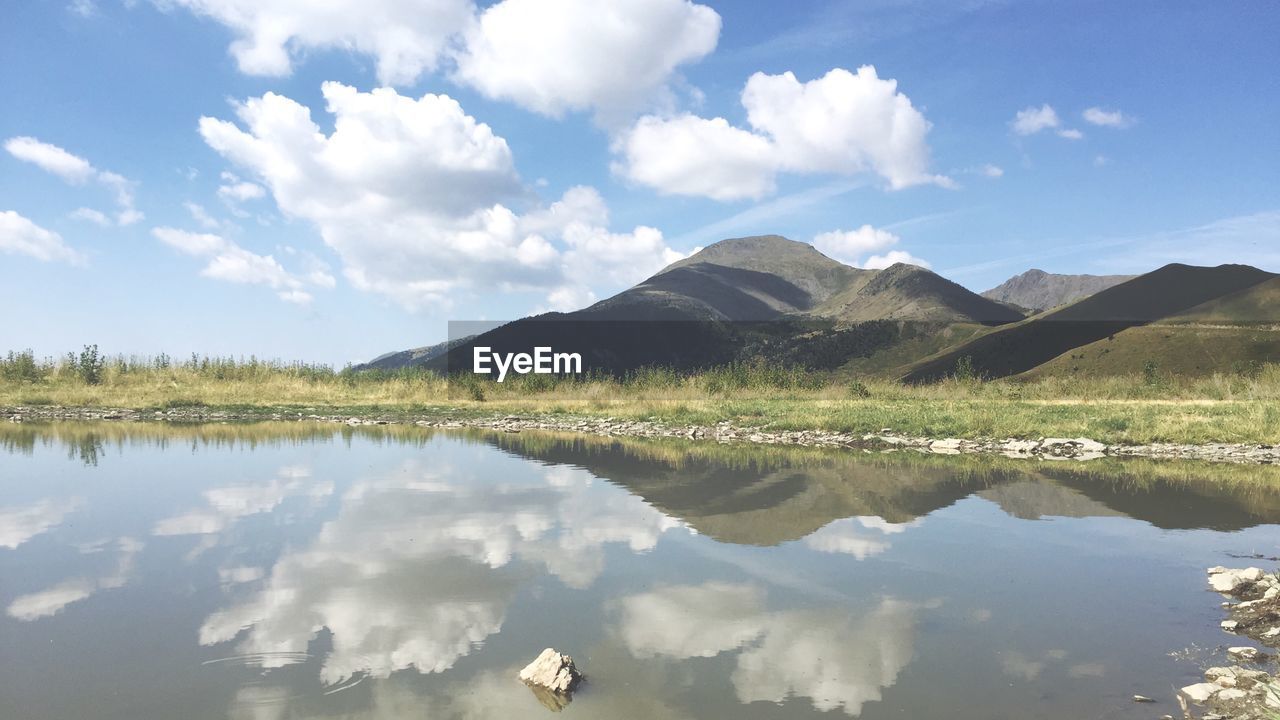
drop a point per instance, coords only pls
(552, 671)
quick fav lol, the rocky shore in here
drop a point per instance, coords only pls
(723, 432)
(1245, 690)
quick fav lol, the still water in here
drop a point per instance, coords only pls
(294, 571)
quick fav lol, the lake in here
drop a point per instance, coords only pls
(290, 570)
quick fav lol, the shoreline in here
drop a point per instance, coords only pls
(1045, 448)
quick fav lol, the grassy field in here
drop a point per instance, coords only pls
(1148, 407)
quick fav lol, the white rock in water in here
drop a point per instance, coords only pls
(1232, 694)
(1229, 581)
(1243, 653)
(1217, 569)
(1229, 625)
(1200, 692)
(552, 671)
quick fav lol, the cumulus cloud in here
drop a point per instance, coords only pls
(75, 170)
(609, 57)
(1107, 118)
(549, 56)
(856, 248)
(1032, 120)
(20, 236)
(231, 263)
(414, 196)
(991, 171)
(843, 123)
(689, 155)
(405, 39)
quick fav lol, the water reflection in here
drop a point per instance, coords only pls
(20, 524)
(417, 568)
(833, 657)
(393, 572)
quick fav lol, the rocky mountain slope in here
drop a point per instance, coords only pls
(1037, 290)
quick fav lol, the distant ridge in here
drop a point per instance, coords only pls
(1038, 290)
(1023, 346)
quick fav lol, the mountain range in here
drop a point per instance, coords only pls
(770, 298)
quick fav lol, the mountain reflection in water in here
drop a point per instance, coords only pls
(290, 570)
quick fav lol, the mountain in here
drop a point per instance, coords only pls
(769, 277)
(1038, 290)
(752, 278)
(407, 358)
(747, 298)
(1237, 332)
(1158, 295)
(908, 292)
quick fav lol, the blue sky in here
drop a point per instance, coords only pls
(262, 177)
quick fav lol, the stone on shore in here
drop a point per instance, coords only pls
(553, 671)
(1200, 692)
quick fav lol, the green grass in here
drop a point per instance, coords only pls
(1218, 408)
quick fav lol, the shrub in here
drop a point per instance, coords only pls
(90, 364)
(859, 389)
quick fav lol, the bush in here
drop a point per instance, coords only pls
(1151, 373)
(964, 369)
(859, 390)
(22, 367)
(89, 365)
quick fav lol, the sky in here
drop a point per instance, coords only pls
(331, 181)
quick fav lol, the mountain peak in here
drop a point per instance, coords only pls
(1038, 290)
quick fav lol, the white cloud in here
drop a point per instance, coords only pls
(235, 190)
(842, 123)
(1107, 118)
(83, 8)
(405, 37)
(689, 155)
(201, 216)
(852, 247)
(231, 263)
(51, 158)
(893, 257)
(848, 246)
(20, 236)
(75, 170)
(413, 196)
(90, 215)
(551, 56)
(1032, 120)
(991, 171)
